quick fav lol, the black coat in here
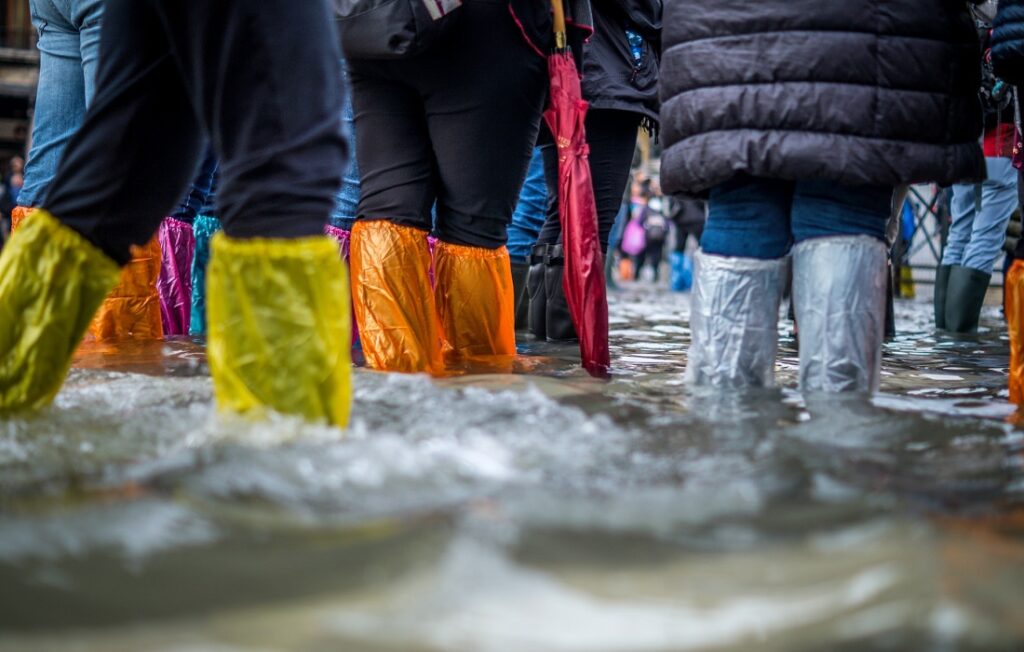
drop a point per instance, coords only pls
(612, 79)
(880, 92)
(1008, 42)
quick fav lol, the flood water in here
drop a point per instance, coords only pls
(526, 512)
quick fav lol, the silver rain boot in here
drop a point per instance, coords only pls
(839, 287)
(734, 318)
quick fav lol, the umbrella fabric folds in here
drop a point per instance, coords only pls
(583, 281)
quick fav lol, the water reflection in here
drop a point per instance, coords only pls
(537, 510)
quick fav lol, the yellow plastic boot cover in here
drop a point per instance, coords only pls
(279, 333)
(394, 300)
(51, 282)
(475, 301)
(132, 310)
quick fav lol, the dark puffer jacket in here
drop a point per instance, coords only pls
(880, 92)
(1008, 42)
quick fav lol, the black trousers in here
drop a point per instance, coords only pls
(452, 128)
(612, 138)
(259, 79)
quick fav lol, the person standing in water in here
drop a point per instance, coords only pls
(172, 77)
(799, 118)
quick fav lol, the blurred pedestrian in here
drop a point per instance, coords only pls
(981, 212)
(798, 120)
(656, 232)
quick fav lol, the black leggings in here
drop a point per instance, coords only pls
(258, 79)
(452, 128)
(612, 138)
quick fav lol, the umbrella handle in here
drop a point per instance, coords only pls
(559, 19)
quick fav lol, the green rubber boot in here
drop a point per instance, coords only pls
(965, 295)
(941, 285)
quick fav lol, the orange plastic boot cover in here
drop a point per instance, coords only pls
(475, 301)
(132, 310)
(18, 216)
(393, 298)
(1015, 322)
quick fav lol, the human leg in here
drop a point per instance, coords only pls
(264, 80)
(483, 129)
(739, 276)
(839, 284)
(968, 280)
(95, 197)
(998, 202)
(60, 98)
(392, 292)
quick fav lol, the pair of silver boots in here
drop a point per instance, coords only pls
(839, 291)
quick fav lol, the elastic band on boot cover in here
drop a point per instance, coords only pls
(394, 299)
(178, 248)
(18, 216)
(475, 301)
(203, 228)
(734, 318)
(279, 328)
(1015, 322)
(344, 240)
(839, 289)
(51, 282)
(132, 309)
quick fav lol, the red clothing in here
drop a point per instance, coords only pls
(999, 141)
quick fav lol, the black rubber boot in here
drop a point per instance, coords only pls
(890, 305)
(536, 291)
(965, 295)
(941, 283)
(520, 274)
(559, 321)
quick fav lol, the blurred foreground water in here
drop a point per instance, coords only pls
(524, 512)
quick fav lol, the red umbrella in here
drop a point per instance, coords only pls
(583, 281)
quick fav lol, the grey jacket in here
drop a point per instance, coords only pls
(881, 92)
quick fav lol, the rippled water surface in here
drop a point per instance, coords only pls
(524, 512)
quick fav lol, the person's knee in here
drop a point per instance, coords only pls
(486, 233)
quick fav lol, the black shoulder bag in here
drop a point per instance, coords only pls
(393, 29)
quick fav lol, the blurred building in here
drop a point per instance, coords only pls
(19, 73)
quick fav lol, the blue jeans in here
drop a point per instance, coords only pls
(531, 211)
(200, 195)
(347, 206)
(976, 237)
(69, 42)
(763, 218)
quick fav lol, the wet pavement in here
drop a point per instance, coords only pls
(532, 511)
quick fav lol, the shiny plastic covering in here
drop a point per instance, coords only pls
(132, 310)
(734, 317)
(1015, 322)
(51, 282)
(178, 247)
(839, 290)
(394, 299)
(18, 216)
(344, 240)
(279, 328)
(203, 229)
(475, 302)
